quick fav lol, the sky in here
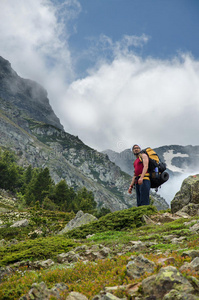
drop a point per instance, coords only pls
(117, 72)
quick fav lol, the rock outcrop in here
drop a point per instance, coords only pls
(188, 195)
(25, 95)
(79, 220)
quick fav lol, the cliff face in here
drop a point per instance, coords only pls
(30, 128)
(26, 95)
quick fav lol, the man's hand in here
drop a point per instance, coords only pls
(140, 181)
(130, 189)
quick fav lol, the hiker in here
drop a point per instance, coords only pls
(140, 179)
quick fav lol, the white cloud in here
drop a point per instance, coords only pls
(34, 38)
(149, 101)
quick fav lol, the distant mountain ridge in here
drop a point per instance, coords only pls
(179, 159)
(30, 128)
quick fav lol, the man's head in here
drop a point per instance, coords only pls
(136, 149)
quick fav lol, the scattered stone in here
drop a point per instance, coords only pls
(2, 243)
(69, 257)
(79, 220)
(147, 220)
(168, 278)
(12, 242)
(191, 253)
(92, 255)
(35, 233)
(191, 222)
(4, 271)
(178, 240)
(195, 228)
(90, 236)
(81, 248)
(39, 291)
(167, 260)
(45, 264)
(169, 237)
(105, 296)
(22, 223)
(194, 265)
(136, 246)
(191, 209)
(84, 253)
(164, 218)
(177, 295)
(105, 251)
(59, 287)
(194, 282)
(130, 289)
(76, 296)
(138, 266)
(36, 265)
(182, 214)
(96, 252)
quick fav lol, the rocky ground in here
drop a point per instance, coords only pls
(164, 279)
(158, 260)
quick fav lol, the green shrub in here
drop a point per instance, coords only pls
(119, 220)
(38, 249)
(13, 232)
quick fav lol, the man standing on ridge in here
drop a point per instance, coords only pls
(141, 177)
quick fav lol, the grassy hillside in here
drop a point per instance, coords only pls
(39, 241)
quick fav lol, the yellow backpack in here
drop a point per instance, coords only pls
(156, 168)
(154, 159)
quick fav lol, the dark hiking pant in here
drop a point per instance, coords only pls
(142, 192)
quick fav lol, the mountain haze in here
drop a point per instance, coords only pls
(30, 128)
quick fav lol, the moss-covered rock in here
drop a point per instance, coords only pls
(167, 279)
(189, 193)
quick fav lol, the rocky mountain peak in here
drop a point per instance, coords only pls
(5, 67)
(26, 95)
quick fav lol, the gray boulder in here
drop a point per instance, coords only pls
(191, 253)
(138, 266)
(191, 209)
(194, 228)
(44, 264)
(105, 296)
(79, 220)
(168, 279)
(193, 265)
(189, 193)
(39, 291)
(22, 223)
(76, 296)
(69, 257)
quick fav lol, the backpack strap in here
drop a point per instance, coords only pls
(147, 175)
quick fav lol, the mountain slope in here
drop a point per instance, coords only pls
(31, 129)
